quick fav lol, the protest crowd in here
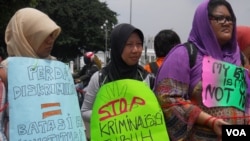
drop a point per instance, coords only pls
(190, 92)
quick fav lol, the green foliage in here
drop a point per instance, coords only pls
(7, 9)
(80, 20)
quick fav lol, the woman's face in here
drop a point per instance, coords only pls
(132, 50)
(222, 24)
(46, 47)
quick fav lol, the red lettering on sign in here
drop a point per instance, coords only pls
(118, 107)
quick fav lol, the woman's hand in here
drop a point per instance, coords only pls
(217, 126)
(212, 122)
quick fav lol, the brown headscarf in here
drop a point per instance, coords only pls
(27, 30)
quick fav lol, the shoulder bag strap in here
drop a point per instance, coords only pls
(153, 67)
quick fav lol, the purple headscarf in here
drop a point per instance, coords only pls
(176, 64)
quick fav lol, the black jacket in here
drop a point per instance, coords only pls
(85, 74)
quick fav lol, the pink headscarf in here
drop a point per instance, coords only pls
(243, 37)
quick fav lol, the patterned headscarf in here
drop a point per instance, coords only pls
(27, 30)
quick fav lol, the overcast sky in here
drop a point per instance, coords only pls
(153, 15)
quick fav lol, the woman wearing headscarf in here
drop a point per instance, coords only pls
(126, 49)
(29, 33)
(191, 98)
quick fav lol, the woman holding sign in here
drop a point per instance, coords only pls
(197, 101)
(126, 49)
(29, 33)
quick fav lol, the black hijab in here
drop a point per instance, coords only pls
(117, 69)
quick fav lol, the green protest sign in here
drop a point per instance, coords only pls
(223, 84)
(127, 110)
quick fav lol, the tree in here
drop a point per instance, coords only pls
(7, 9)
(80, 21)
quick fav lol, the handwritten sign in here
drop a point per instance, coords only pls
(224, 84)
(43, 103)
(127, 110)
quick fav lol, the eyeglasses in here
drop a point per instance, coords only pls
(221, 19)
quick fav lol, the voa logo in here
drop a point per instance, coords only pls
(236, 132)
